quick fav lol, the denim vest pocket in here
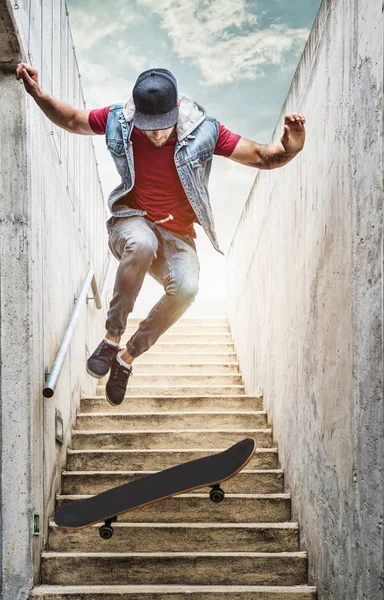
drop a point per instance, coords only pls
(119, 157)
(201, 158)
(198, 164)
(116, 147)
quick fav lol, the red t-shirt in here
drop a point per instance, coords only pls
(158, 188)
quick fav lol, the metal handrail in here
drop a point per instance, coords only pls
(53, 376)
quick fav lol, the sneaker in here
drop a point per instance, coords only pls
(99, 363)
(117, 382)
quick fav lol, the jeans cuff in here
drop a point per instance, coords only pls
(132, 351)
(113, 330)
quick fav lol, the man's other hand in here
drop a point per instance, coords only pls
(294, 133)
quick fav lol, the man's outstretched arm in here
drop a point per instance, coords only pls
(271, 156)
(63, 115)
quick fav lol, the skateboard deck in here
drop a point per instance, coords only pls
(208, 471)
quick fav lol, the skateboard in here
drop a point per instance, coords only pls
(208, 471)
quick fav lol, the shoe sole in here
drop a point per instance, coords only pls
(94, 374)
(113, 403)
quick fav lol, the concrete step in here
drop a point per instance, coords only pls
(197, 335)
(91, 404)
(95, 482)
(154, 356)
(177, 390)
(185, 348)
(185, 368)
(220, 320)
(171, 537)
(171, 438)
(198, 508)
(173, 592)
(171, 420)
(193, 568)
(180, 345)
(180, 379)
(152, 460)
(185, 328)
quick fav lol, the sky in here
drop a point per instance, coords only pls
(236, 58)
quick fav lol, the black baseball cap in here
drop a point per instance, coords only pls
(155, 98)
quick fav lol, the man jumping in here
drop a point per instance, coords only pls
(162, 146)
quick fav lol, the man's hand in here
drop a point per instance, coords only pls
(272, 156)
(30, 78)
(294, 133)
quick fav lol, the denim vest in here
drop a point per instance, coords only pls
(196, 140)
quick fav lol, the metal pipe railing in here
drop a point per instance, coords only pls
(53, 376)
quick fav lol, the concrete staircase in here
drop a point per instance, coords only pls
(186, 399)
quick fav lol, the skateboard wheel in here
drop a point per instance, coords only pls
(106, 532)
(216, 494)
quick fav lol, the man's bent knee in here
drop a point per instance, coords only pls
(186, 292)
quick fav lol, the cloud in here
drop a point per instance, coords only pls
(89, 28)
(101, 87)
(220, 37)
(131, 56)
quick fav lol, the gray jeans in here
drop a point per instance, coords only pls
(171, 259)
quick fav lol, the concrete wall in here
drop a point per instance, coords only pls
(52, 219)
(305, 301)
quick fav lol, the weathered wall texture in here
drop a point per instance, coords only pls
(52, 227)
(305, 301)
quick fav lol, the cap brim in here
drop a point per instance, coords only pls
(156, 122)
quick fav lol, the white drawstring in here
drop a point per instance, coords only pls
(169, 218)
